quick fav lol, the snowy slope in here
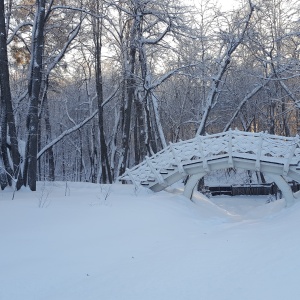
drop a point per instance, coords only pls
(83, 241)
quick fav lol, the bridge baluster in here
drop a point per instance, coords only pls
(291, 154)
(178, 162)
(204, 160)
(156, 174)
(230, 160)
(128, 172)
(259, 150)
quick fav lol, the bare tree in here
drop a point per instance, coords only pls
(231, 40)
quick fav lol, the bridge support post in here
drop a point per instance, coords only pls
(286, 190)
(191, 183)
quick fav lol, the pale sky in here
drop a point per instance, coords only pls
(228, 4)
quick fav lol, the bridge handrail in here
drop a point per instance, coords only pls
(233, 142)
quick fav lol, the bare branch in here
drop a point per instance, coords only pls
(74, 128)
(9, 40)
(242, 103)
(67, 132)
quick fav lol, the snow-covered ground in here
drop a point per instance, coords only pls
(89, 242)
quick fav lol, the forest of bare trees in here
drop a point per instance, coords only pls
(90, 88)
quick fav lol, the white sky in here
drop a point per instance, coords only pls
(228, 4)
(225, 4)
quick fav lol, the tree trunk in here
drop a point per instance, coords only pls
(34, 87)
(4, 179)
(51, 165)
(105, 172)
(130, 90)
(8, 121)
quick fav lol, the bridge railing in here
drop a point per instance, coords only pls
(257, 146)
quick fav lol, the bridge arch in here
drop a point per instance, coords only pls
(285, 188)
(277, 156)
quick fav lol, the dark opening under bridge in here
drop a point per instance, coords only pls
(276, 156)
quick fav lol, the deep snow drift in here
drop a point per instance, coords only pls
(85, 241)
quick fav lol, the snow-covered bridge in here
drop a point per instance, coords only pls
(276, 156)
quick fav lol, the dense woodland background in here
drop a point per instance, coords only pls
(89, 88)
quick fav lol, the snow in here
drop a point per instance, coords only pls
(87, 241)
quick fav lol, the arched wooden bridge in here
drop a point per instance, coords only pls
(276, 156)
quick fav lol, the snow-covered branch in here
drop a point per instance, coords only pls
(245, 99)
(158, 39)
(66, 132)
(72, 36)
(82, 10)
(24, 24)
(167, 75)
(75, 127)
